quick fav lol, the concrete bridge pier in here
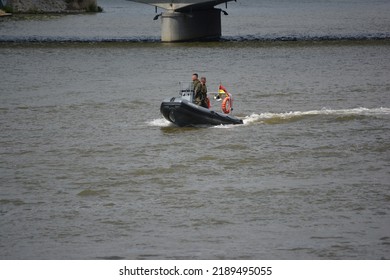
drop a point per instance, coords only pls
(191, 25)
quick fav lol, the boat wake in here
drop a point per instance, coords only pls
(276, 118)
(293, 116)
(161, 122)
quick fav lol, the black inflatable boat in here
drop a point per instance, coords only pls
(183, 112)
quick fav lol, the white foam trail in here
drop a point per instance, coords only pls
(225, 126)
(263, 117)
(159, 123)
(253, 118)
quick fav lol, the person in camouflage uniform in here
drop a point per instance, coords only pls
(197, 88)
(204, 92)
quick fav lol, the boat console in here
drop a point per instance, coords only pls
(186, 92)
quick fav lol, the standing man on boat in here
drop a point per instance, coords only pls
(204, 92)
(197, 88)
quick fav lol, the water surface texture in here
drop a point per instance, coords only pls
(90, 170)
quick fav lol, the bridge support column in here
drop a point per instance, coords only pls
(185, 26)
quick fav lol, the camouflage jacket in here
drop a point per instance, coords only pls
(197, 87)
(203, 90)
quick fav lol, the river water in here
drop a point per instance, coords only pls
(90, 170)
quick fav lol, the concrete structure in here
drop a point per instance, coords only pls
(185, 20)
(176, 26)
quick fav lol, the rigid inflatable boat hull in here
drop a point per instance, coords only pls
(185, 113)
